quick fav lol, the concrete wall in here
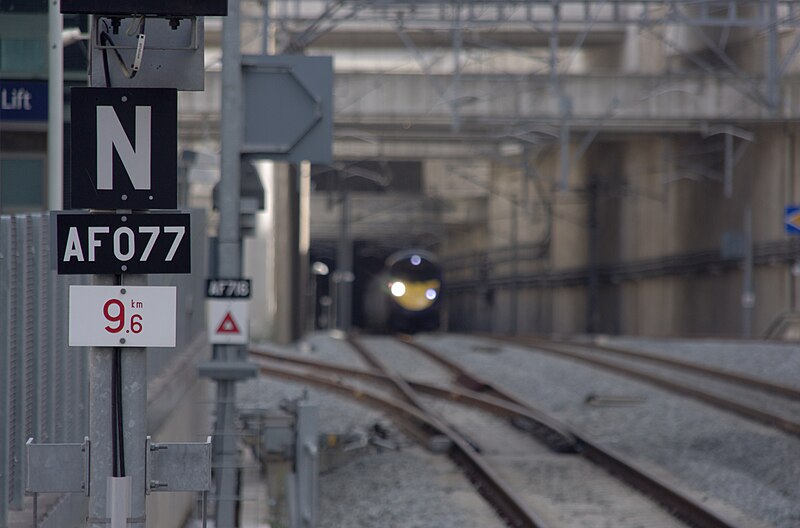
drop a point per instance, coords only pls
(657, 197)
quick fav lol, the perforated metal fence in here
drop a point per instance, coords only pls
(43, 382)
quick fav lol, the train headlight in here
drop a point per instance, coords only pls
(398, 289)
(416, 260)
(430, 294)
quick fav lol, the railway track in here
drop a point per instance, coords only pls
(421, 424)
(496, 400)
(737, 378)
(598, 356)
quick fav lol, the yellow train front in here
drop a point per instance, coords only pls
(413, 287)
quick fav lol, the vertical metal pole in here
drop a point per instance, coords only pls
(225, 466)
(344, 265)
(267, 40)
(512, 330)
(229, 228)
(748, 294)
(553, 41)
(55, 109)
(564, 136)
(728, 168)
(100, 424)
(564, 102)
(311, 306)
(301, 270)
(134, 415)
(791, 141)
(458, 37)
(307, 461)
(229, 259)
(592, 287)
(773, 68)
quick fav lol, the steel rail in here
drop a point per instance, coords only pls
(406, 412)
(545, 428)
(544, 422)
(767, 418)
(487, 482)
(751, 382)
(462, 376)
(674, 501)
(680, 505)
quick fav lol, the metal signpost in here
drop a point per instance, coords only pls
(124, 163)
(228, 311)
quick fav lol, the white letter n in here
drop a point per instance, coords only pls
(110, 135)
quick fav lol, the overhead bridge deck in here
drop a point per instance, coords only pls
(420, 104)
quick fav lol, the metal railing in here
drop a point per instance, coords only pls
(43, 381)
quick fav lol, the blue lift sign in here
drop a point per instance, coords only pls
(791, 220)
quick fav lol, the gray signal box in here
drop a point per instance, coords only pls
(170, 55)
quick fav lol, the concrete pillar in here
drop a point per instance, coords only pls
(290, 268)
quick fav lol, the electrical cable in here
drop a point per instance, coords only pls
(117, 433)
(105, 39)
(114, 413)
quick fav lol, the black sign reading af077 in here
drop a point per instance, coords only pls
(111, 244)
(124, 148)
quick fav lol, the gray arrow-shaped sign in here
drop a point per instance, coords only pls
(288, 114)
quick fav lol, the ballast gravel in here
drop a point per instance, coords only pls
(403, 486)
(743, 470)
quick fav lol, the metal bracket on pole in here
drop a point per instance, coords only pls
(182, 466)
(57, 468)
(169, 42)
(227, 370)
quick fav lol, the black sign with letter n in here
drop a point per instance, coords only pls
(124, 148)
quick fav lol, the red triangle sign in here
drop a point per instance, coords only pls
(228, 325)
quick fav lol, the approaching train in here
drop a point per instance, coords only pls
(406, 295)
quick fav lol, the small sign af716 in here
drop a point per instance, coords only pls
(122, 316)
(228, 288)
